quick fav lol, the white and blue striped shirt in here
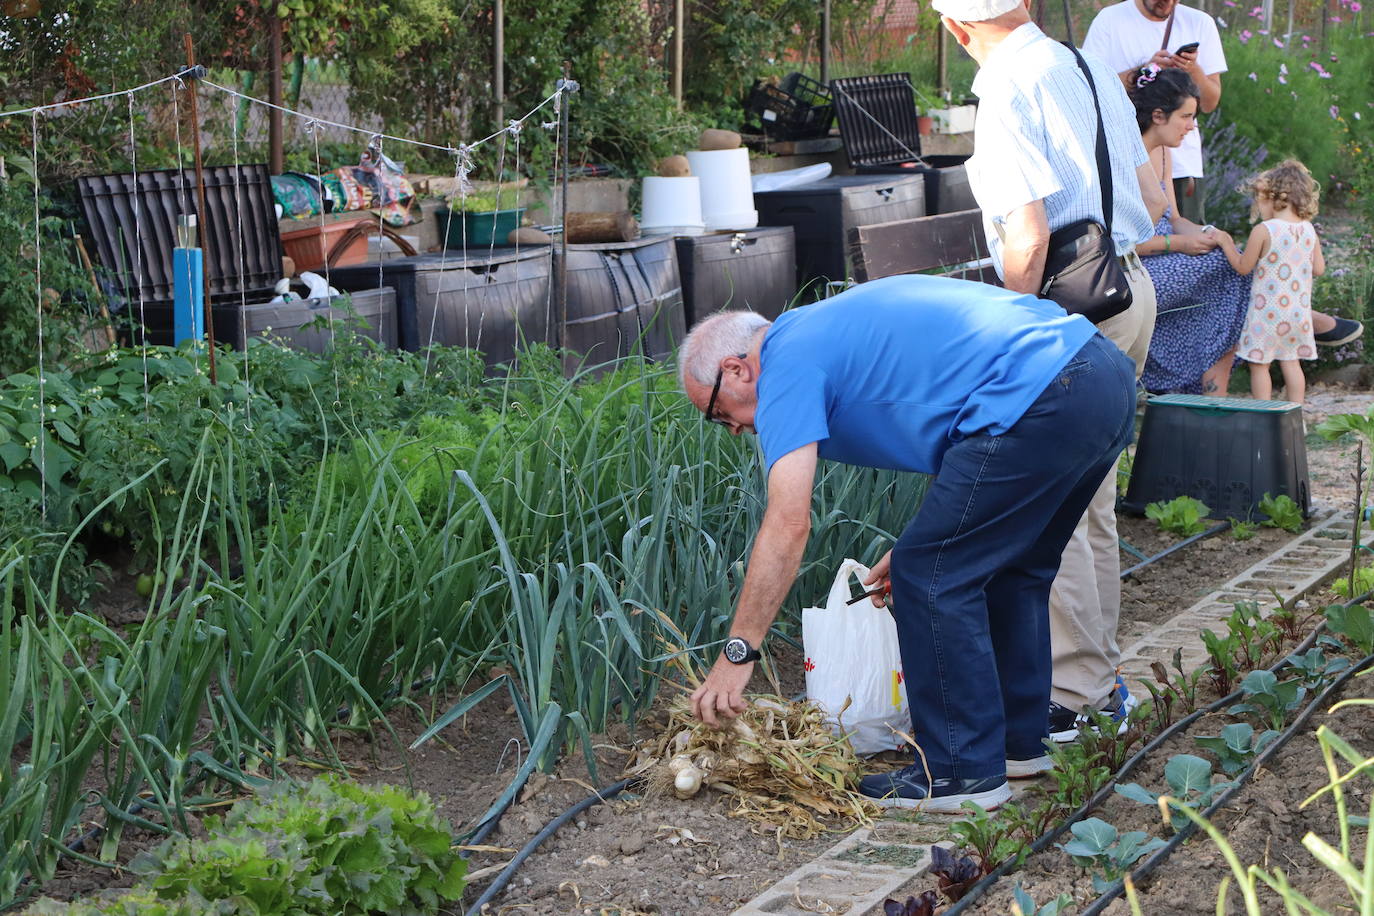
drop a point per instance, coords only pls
(1036, 136)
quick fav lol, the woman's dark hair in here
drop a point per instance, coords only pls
(1153, 89)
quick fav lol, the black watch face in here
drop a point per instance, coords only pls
(736, 650)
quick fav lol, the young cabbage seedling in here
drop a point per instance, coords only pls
(1266, 696)
(1190, 783)
(1236, 746)
(1097, 845)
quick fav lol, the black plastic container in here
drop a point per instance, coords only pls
(1227, 452)
(797, 108)
(285, 322)
(492, 301)
(877, 116)
(624, 298)
(823, 212)
(132, 230)
(753, 269)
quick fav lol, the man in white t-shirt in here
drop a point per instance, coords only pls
(1130, 34)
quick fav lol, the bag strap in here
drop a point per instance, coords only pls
(1104, 165)
(839, 588)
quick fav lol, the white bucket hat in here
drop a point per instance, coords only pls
(974, 10)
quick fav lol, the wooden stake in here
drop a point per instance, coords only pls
(201, 210)
(563, 207)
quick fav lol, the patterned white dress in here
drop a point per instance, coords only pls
(1278, 324)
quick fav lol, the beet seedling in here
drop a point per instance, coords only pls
(988, 837)
(924, 905)
(1236, 746)
(1190, 783)
(1180, 689)
(1097, 845)
(954, 874)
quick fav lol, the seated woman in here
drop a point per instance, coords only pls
(1202, 300)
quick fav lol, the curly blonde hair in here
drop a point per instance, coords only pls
(1288, 185)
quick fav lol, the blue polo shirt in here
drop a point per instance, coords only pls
(890, 373)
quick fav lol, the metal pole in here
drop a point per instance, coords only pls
(563, 207)
(275, 158)
(679, 23)
(200, 202)
(942, 61)
(498, 64)
(825, 42)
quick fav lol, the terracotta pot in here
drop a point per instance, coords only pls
(923, 124)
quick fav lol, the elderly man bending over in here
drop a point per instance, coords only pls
(1017, 409)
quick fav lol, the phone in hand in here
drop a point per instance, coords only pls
(1189, 48)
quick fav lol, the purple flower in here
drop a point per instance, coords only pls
(1334, 19)
(1254, 77)
(1316, 66)
(1244, 36)
(1355, 6)
(1257, 12)
(1277, 44)
(1283, 79)
(1335, 112)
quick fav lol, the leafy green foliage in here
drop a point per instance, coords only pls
(1364, 582)
(1354, 623)
(1097, 845)
(987, 837)
(144, 901)
(1314, 668)
(1190, 781)
(1251, 640)
(328, 846)
(1024, 905)
(1282, 512)
(1242, 531)
(1236, 746)
(1268, 697)
(1181, 515)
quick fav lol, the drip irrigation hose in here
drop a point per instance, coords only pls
(1042, 842)
(1177, 840)
(1218, 528)
(500, 881)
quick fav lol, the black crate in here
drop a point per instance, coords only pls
(823, 212)
(877, 117)
(285, 322)
(132, 224)
(1227, 452)
(797, 108)
(623, 298)
(753, 269)
(494, 301)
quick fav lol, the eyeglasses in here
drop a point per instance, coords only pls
(711, 404)
(715, 392)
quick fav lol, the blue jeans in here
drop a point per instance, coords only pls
(971, 574)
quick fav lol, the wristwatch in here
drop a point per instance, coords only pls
(739, 651)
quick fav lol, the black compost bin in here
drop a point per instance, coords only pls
(494, 301)
(823, 212)
(624, 298)
(752, 269)
(286, 322)
(132, 224)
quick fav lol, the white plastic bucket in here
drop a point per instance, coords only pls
(672, 206)
(727, 197)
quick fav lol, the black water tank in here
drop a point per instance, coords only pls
(751, 269)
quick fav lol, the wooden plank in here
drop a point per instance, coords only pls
(915, 245)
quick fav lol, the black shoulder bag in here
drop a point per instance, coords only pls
(1082, 273)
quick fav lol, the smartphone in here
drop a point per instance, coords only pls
(1188, 48)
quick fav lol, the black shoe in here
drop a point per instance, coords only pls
(1065, 722)
(908, 788)
(1345, 331)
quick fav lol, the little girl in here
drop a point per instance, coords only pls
(1285, 254)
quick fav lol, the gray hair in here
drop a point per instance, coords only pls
(714, 338)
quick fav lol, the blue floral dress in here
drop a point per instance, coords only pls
(1202, 306)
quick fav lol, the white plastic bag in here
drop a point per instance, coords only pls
(851, 654)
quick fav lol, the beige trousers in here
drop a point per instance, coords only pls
(1085, 602)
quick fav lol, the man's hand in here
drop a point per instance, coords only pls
(1167, 60)
(880, 574)
(722, 693)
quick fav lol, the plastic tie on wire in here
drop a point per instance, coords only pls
(310, 126)
(567, 86)
(196, 72)
(513, 128)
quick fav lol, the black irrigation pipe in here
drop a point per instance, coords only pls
(1218, 528)
(1043, 842)
(1177, 840)
(500, 881)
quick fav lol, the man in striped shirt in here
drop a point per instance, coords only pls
(1034, 170)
